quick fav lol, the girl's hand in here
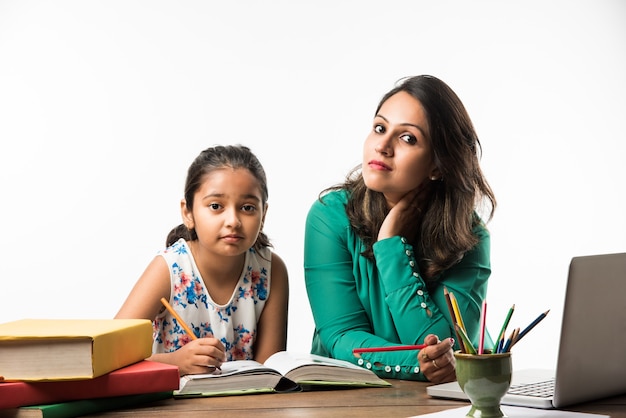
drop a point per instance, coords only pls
(203, 355)
(437, 361)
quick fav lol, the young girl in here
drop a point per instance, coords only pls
(217, 270)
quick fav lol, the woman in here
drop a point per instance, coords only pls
(380, 248)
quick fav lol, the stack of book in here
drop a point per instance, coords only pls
(73, 367)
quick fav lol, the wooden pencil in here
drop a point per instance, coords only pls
(178, 319)
(453, 319)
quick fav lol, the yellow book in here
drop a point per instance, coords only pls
(70, 349)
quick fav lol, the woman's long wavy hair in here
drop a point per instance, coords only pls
(211, 159)
(451, 210)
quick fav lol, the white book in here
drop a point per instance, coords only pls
(281, 372)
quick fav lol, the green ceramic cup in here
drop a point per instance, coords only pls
(484, 379)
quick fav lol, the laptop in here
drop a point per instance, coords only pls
(591, 362)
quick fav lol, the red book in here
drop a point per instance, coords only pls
(143, 377)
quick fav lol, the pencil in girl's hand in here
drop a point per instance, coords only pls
(178, 319)
(453, 319)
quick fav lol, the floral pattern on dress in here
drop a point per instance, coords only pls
(234, 323)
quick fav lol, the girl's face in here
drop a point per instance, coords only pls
(397, 155)
(228, 211)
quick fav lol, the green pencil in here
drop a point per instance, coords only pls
(468, 344)
(500, 339)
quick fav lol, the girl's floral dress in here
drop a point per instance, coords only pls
(234, 324)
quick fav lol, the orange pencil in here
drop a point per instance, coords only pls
(179, 319)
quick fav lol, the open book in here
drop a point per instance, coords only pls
(281, 372)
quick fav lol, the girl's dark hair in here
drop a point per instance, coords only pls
(214, 158)
(449, 215)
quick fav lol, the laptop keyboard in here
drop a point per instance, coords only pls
(543, 389)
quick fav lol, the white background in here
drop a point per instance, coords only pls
(104, 104)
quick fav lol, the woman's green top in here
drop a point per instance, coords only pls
(360, 303)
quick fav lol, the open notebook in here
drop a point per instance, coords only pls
(591, 363)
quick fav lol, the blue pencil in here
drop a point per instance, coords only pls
(509, 343)
(529, 327)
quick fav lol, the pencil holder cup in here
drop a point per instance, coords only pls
(484, 378)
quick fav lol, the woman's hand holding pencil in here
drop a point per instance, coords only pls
(435, 357)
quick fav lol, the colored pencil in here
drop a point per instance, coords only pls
(468, 344)
(531, 326)
(501, 335)
(178, 319)
(388, 348)
(481, 338)
(509, 343)
(457, 312)
(453, 319)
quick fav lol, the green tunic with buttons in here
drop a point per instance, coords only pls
(360, 303)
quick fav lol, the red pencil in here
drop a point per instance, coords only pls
(388, 348)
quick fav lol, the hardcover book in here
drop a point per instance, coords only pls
(58, 349)
(142, 377)
(283, 371)
(83, 407)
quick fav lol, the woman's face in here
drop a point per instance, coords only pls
(397, 154)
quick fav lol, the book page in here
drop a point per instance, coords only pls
(238, 366)
(235, 377)
(306, 368)
(230, 368)
(285, 362)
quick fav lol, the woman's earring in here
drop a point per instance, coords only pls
(433, 178)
